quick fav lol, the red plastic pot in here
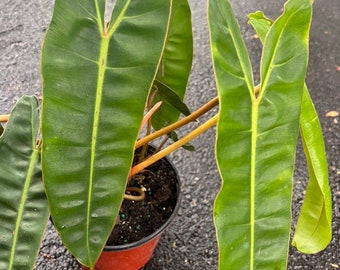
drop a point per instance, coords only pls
(134, 256)
(126, 258)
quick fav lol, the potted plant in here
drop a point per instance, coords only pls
(98, 78)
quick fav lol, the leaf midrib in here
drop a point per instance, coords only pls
(105, 37)
(255, 111)
(266, 76)
(28, 180)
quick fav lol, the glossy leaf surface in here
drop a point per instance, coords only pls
(252, 210)
(167, 94)
(314, 228)
(23, 205)
(176, 63)
(97, 77)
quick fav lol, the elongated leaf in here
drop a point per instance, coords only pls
(233, 75)
(176, 63)
(23, 205)
(252, 210)
(97, 77)
(169, 95)
(314, 227)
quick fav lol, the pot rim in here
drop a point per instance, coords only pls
(160, 229)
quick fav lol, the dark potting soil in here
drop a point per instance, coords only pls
(138, 219)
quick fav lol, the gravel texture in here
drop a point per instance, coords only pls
(189, 243)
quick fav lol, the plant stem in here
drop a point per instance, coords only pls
(162, 143)
(190, 118)
(4, 118)
(139, 197)
(148, 115)
(159, 155)
(147, 120)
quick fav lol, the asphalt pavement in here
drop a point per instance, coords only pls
(189, 242)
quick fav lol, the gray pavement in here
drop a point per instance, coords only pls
(189, 243)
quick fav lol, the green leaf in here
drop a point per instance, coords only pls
(314, 227)
(173, 135)
(23, 205)
(260, 23)
(176, 64)
(96, 80)
(234, 81)
(252, 210)
(171, 97)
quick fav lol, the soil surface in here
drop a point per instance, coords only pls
(139, 219)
